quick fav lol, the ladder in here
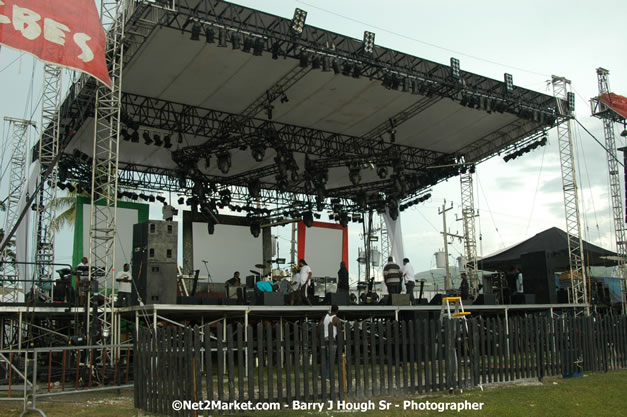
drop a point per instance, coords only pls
(454, 303)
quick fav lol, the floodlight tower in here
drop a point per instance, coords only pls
(578, 293)
(609, 117)
(18, 137)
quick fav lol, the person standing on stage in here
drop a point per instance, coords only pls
(342, 278)
(305, 280)
(236, 283)
(392, 276)
(410, 279)
(464, 288)
(167, 211)
(124, 286)
(519, 282)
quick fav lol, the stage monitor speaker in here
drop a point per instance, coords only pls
(272, 299)
(539, 277)
(436, 300)
(485, 299)
(154, 262)
(524, 299)
(400, 299)
(339, 299)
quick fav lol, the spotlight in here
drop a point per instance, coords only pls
(326, 64)
(298, 21)
(354, 175)
(382, 172)
(258, 47)
(259, 152)
(147, 139)
(347, 68)
(157, 140)
(248, 44)
(315, 62)
(125, 135)
(255, 228)
(571, 101)
(222, 38)
(304, 59)
(196, 32)
(254, 188)
(161, 199)
(224, 162)
(167, 142)
(356, 70)
(236, 41)
(181, 201)
(276, 48)
(210, 35)
(509, 83)
(308, 218)
(368, 42)
(336, 66)
(211, 228)
(344, 219)
(455, 73)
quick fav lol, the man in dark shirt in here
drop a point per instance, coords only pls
(392, 276)
(342, 278)
(235, 282)
(463, 288)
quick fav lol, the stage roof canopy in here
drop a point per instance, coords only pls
(222, 95)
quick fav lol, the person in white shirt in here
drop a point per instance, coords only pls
(124, 286)
(519, 282)
(410, 279)
(167, 211)
(305, 280)
(326, 322)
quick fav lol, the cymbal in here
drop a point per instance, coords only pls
(260, 266)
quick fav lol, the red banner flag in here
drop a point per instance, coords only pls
(62, 32)
(616, 103)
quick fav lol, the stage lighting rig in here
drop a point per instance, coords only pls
(336, 65)
(368, 42)
(236, 41)
(157, 140)
(258, 152)
(509, 83)
(455, 70)
(308, 218)
(248, 44)
(224, 162)
(298, 22)
(147, 139)
(315, 62)
(571, 101)
(382, 172)
(210, 35)
(222, 38)
(196, 31)
(326, 64)
(258, 47)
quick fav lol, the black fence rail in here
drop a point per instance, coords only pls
(281, 363)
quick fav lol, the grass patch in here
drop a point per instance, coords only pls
(598, 395)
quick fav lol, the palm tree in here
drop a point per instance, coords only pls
(66, 203)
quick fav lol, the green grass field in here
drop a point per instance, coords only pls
(595, 395)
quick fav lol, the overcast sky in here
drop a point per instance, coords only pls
(530, 39)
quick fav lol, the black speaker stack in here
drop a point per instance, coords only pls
(539, 277)
(154, 262)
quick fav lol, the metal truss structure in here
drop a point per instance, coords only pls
(102, 229)
(18, 138)
(578, 292)
(48, 151)
(610, 117)
(470, 235)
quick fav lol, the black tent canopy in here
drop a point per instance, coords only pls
(554, 241)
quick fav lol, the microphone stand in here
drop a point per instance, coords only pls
(209, 279)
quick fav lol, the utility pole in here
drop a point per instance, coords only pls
(442, 211)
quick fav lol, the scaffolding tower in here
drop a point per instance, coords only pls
(102, 229)
(18, 138)
(609, 117)
(48, 150)
(470, 233)
(578, 292)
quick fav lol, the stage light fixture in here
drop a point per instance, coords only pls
(404, 85)
(254, 188)
(315, 62)
(455, 73)
(258, 152)
(236, 41)
(304, 59)
(248, 44)
(344, 219)
(196, 31)
(368, 42)
(224, 162)
(509, 83)
(624, 133)
(167, 142)
(284, 98)
(181, 201)
(326, 64)
(298, 21)
(336, 66)
(382, 172)
(211, 228)
(356, 72)
(347, 68)
(210, 35)
(125, 135)
(255, 228)
(464, 100)
(354, 174)
(393, 211)
(222, 38)
(157, 140)
(571, 101)
(308, 218)
(258, 47)
(147, 139)
(276, 48)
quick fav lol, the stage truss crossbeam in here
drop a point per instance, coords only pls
(102, 229)
(578, 280)
(18, 138)
(48, 151)
(609, 117)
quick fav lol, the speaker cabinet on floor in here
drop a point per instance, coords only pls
(539, 277)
